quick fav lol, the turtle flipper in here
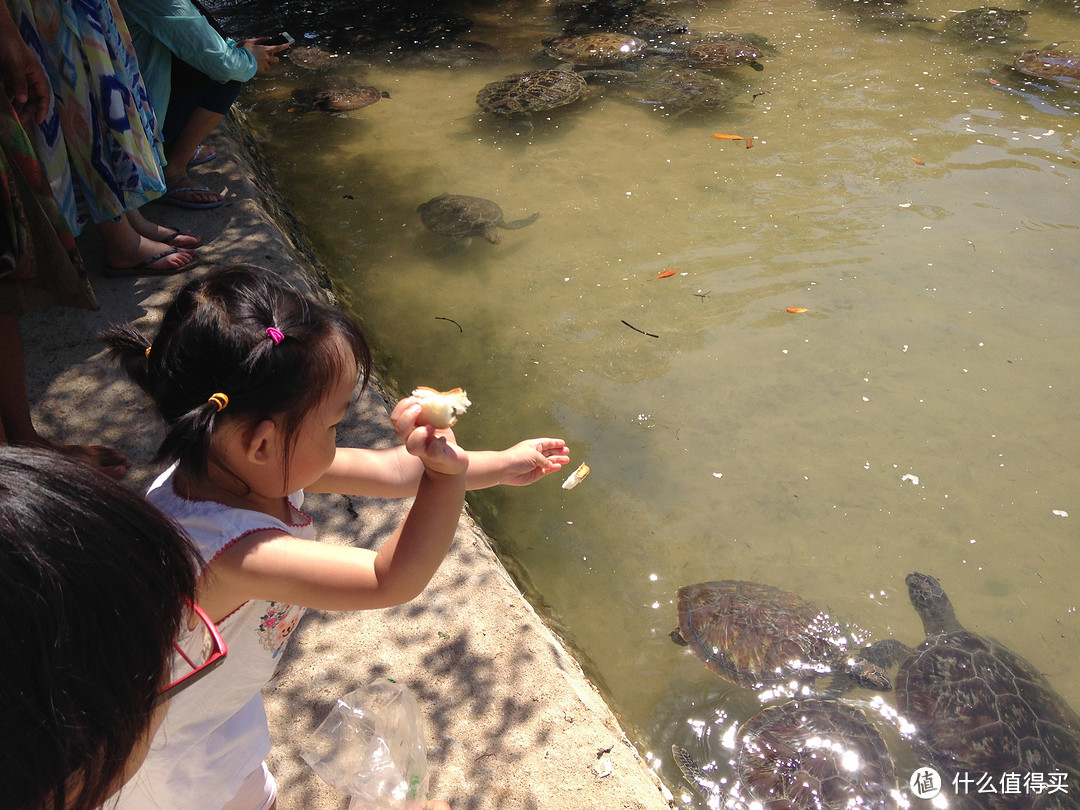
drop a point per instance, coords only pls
(869, 668)
(520, 223)
(694, 773)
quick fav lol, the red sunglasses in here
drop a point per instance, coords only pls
(198, 653)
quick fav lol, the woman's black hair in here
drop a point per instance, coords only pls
(94, 586)
(214, 339)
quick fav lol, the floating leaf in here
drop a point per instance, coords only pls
(665, 274)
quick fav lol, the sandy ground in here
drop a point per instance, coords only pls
(511, 720)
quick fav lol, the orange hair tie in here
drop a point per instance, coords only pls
(220, 400)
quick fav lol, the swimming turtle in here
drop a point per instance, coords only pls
(722, 50)
(519, 95)
(680, 89)
(595, 49)
(652, 24)
(461, 217)
(1061, 63)
(979, 708)
(311, 57)
(338, 96)
(807, 754)
(759, 636)
(987, 24)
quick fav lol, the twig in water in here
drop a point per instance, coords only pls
(455, 323)
(642, 331)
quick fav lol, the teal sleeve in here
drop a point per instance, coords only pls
(188, 34)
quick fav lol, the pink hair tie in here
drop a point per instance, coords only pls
(275, 334)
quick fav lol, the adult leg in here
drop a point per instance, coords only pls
(16, 425)
(181, 150)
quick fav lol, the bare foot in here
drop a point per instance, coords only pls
(103, 459)
(166, 234)
(183, 190)
(148, 258)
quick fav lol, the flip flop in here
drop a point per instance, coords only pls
(170, 198)
(168, 240)
(143, 268)
(203, 154)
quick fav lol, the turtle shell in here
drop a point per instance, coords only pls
(535, 91)
(800, 755)
(722, 50)
(311, 57)
(980, 708)
(681, 89)
(595, 49)
(987, 24)
(459, 215)
(337, 97)
(1058, 64)
(757, 636)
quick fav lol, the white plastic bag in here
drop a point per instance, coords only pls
(372, 746)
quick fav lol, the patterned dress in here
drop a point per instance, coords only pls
(39, 263)
(99, 144)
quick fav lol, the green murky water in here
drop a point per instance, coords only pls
(913, 194)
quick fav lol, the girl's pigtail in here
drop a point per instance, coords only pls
(188, 438)
(132, 349)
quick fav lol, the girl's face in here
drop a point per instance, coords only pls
(315, 442)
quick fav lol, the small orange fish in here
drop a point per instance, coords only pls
(665, 274)
(722, 137)
(917, 162)
(749, 143)
(796, 310)
(994, 82)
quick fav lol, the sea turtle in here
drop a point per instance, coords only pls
(519, 95)
(338, 97)
(979, 708)
(680, 89)
(1058, 63)
(594, 49)
(759, 636)
(722, 50)
(807, 754)
(462, 217)
(987, 24)
(312, 57)
(652, 24)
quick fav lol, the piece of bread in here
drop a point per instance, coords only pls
(440, 409)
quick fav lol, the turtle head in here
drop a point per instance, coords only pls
(868, 675)
(931, 603)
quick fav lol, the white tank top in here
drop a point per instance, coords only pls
(215, 732)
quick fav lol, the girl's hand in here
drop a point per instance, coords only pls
(434, 447)
(532, 459)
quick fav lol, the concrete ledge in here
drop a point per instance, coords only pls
(512, 722)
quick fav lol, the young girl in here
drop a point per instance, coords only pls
(252, 379)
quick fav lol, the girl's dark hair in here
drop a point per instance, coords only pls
(213, 339)
(94, 586)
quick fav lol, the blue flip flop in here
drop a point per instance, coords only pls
(170, 198)
(203, 154)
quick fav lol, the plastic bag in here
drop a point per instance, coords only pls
(371, 745)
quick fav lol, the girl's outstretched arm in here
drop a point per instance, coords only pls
(394, 473)
(276, 566)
